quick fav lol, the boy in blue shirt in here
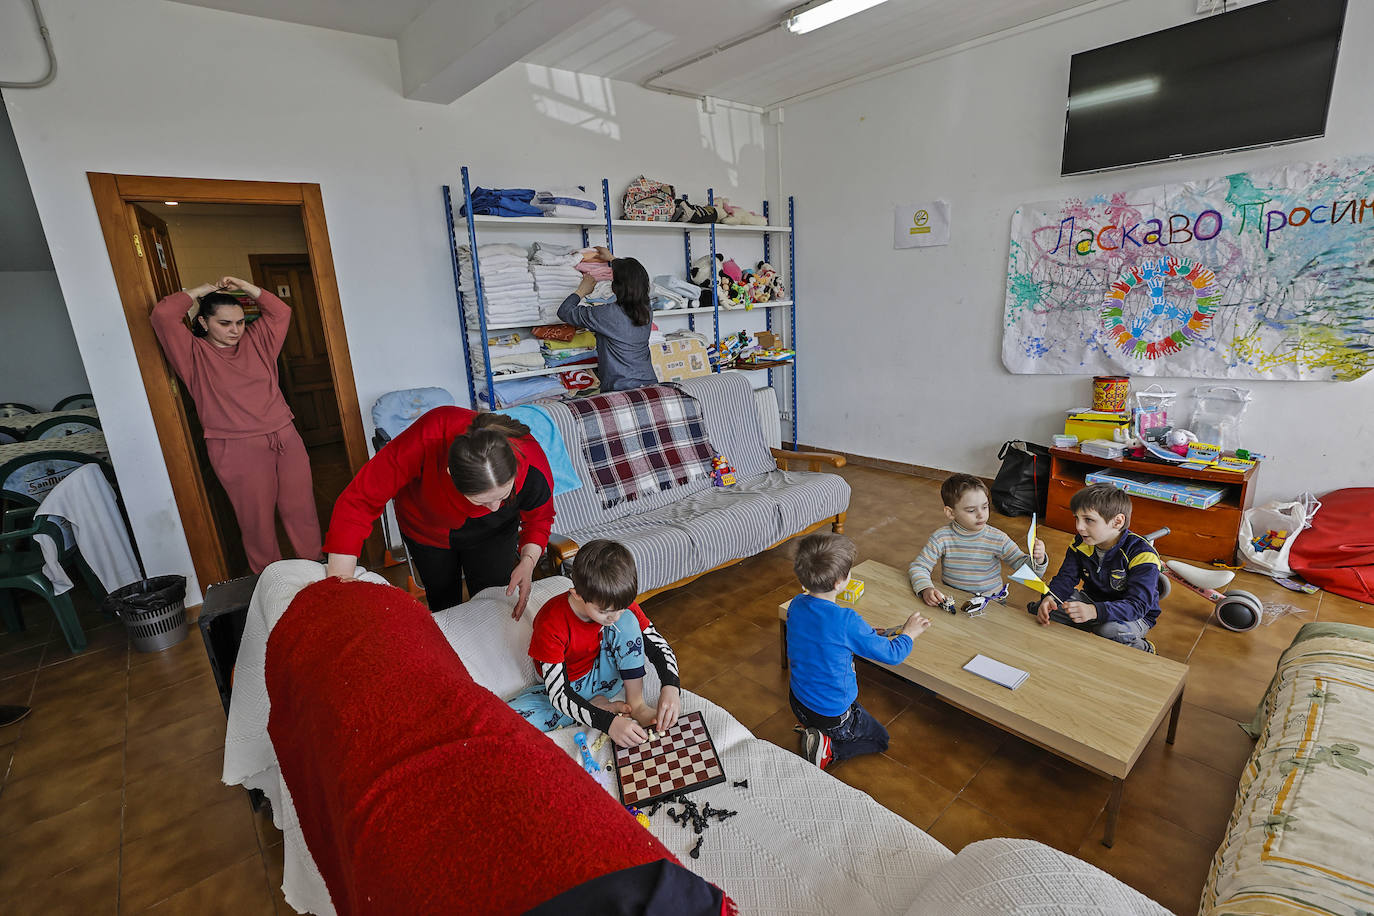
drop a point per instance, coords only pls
(1118, 568)
(822, 639)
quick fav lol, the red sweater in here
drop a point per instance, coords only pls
(413, 470)
(235, 388)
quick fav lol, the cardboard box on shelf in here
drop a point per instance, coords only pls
(675, 360)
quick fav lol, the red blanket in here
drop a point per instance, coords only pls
(1337, 552)
(417, 790)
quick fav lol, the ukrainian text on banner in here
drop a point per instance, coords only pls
(1261, 274)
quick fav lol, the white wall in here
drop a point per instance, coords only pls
(914, 336)
(154, 88)
(40, 365)
(208, 247)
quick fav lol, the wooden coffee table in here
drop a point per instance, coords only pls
(1090, 700)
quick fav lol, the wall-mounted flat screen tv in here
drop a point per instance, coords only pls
(1255, 76)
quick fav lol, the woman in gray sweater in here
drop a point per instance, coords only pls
(622, 327)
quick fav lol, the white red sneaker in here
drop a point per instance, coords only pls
(816, 747)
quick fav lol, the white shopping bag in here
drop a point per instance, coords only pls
(1278, 517)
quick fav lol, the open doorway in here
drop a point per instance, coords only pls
(164, 234)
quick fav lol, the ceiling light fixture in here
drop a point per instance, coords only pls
(818, 15)
(172, 203)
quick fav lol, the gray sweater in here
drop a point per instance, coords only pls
(622, 348)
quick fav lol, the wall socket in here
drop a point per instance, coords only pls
(785, 416)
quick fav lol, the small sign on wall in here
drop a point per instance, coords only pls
(920, 225)
(283, 292)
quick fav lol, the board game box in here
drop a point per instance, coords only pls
(681, 759)
(1196, 495)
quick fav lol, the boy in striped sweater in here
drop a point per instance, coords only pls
(590, 646)
(969, 551)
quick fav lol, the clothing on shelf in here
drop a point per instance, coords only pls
(563, 332)
(556, 255)
(553, 283)
(678, 286)
(502, 202)
(512, 392)
(507, 286)
(601, 293)
(570, 203)
(581, 340)
(597, 270)
(509, 353)
(555, 358)
(661, 298)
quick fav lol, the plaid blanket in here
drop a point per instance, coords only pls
(642, 441)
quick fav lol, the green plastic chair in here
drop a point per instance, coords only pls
(72, 402)
(21, 567)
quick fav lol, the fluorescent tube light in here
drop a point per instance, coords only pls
(172, 203)
(1110, 95)
(820, 15)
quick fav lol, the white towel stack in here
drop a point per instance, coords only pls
(554, 276)
(510, 352)
(507, 285)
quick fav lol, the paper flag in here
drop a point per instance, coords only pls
(1027, 577)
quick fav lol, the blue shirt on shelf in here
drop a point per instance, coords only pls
(822, 639)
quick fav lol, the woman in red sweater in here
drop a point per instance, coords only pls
(231, 372)
(474, 499)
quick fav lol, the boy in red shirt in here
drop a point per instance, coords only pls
(591, 639)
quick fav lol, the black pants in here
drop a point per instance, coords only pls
(483, 552)
(854, 733)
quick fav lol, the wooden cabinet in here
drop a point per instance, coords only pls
(1207, 535)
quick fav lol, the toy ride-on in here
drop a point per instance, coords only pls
(1235, 609)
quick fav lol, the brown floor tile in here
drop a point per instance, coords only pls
(57, 844)
(52, 737)
(681, 613)
(172, 704)
(91, 888)
(779, 728)
(1156, 857)
(268, 834)
(747, 700)
(1210, 738)
(38, 627)
(100, 634)
(942, 743)
(1193, 795)
(70, 783)
(882, 702)
(273, 860)
(962, 823)
(900, 789)
(239, 890)
(182, 662)
(16, 690)
(160, 799)
(765, 668)
(185, 853)
(155, 751)
(1050, 799)
(1339, 609)
(1229, 674)
(21, 661)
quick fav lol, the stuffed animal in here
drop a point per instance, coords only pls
(768, 276)
(738, 216)
(701, 276)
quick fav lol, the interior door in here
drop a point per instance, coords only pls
(304, 370)
(162, 264)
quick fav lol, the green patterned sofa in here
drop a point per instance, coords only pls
(1301, 837)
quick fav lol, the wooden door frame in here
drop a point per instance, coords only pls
(113, 195)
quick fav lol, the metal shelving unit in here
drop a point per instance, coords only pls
(608, 225)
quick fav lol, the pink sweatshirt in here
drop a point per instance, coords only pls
(235, 388)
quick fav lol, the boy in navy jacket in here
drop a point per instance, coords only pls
(1118, 568)
(822, 639)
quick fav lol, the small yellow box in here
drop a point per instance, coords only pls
(853, 591)
(1095, 424)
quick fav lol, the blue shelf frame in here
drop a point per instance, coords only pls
(487, 373)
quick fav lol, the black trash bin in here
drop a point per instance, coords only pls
(153, 611)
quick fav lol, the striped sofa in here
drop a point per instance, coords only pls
(1300, 841)
(687, 531)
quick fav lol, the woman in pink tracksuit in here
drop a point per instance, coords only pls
(231, 371)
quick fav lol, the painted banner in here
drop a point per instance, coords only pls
(1266, 274)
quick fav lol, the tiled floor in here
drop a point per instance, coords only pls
(111, 800)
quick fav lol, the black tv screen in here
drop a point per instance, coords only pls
(1255, 76)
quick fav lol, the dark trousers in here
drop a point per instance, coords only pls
(852, 734)
(485, 556)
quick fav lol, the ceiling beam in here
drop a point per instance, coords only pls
(456, 45)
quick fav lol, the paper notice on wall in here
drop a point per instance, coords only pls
(920, 225)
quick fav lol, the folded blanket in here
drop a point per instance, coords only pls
(545, 253)
(564, 332)
(565, 478)
(597, 270)
(523, 390)
(580, 340)
(642, 441)
(677, 285)
(501, 202)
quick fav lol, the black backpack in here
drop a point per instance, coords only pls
(1022, 486)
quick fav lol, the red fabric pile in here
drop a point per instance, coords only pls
(1337, 552)
(417, 790)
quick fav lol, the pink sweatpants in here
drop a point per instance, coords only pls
(264, 475)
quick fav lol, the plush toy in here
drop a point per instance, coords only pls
(701, 276)
(722, 474)
(768, 276)
(738, 216)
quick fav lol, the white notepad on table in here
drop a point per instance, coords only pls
(997, 672)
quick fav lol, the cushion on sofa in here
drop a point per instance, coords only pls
(1026, 878)
(1337, 552)
(1299, 840)
(398, 766)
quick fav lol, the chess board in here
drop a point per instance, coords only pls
(681, 759)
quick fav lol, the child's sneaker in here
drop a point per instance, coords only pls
(1149, 646)
(816, 747)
